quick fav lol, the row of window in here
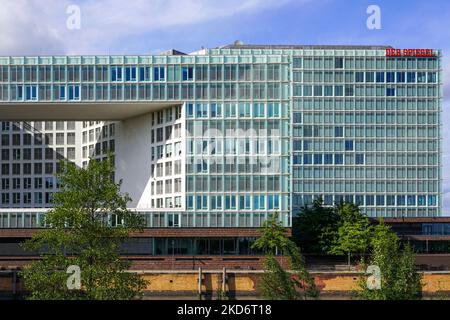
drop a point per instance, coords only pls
(365, 173)
(27, 198)
(366, 186)
(366, 145)
(364, 91)
(367, 159)
(232, 110)
(29, 183)
(37, 139)
(98, 149)
(365, 104)
(38, 126)
(365, 77)
(233, 202)
(119, 73)
(37, 154)
(399, 117)
(364, 63)
(130, 92)
(166, 203)
(371, 200)
(255, 183)
(30, 168)
(417, 131)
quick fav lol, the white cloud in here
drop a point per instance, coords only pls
(39, 26)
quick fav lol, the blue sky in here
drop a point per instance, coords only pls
(32, 27)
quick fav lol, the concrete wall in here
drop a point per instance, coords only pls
(133, 159)
(244, 284)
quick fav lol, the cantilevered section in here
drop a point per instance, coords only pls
(64, 111)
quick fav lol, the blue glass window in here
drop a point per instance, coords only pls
(190, 110)
(349, 145)
(432, 77)
(390, 92)
(370, 200)
(159, 74)
(401, 200)
(339, 63)
(116, 73)
(421, 200)
(432, 200)
(421, 77)
(390, 77)
(401, 77)
(297, 117)
(317, 159)
(328, 91)
(338, 132)
(380, 200)
(338, 158)
(328, 200)
(130, 74)
(297, 145)
(297, 159)
(31, 93)
(328, 158)
(370, 77)
(359, 200)
(187, 73)
(307, 145)
(62, 92)
(380, 77)
(359, 76)
(359, 158)
(411, 200)
(390, 200)
(338, 91)
(74, 93)
(411, 77)
(190, 202)
(307, 159)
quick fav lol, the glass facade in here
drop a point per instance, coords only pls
(268, 129)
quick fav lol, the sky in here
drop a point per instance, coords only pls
(39, 27)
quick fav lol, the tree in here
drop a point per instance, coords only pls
(82, 231)
(315, 228)
(399, 278)
(276, 283)
(353, 231)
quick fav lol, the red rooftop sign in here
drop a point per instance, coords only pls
(410, 53)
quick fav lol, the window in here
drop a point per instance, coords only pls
(130, 73)
(74, 93)
(30, 93)
(390, 92)
(359, 159)
(187, 73)
(339, 158)
(349, 145)
(159, 73)
(116, 73)
(390, 77)
(380, 77)
(401, 77)
(338, 63)
(339, 132)
(359, 76)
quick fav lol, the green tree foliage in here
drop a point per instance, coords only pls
(353, 233)
(82, 231)
(315, 229)
(399, 278)
(276, 283)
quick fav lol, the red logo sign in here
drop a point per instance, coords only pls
(410, 53)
